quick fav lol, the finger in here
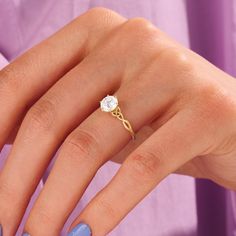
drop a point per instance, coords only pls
(50, 120)
(42, 131)
(23, 81)
(85, 150)
(45, 126)
(168, 148)
(190, 168)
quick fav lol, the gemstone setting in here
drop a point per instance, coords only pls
(109, 103)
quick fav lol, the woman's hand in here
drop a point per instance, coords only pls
(182, 108)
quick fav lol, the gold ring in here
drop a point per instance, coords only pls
(110, 104)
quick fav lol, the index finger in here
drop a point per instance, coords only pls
(28, 77)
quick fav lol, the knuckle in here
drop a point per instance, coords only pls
(215, 107)
(178, 60)
(213, 98)
(15, 77)
(10, 80)
(99, 11)
(80, 145)
(106, 209)
(9, 202)
(41, 115)
(101, 18)
(42, 216)
(145, 164)
(7, 194)
(140, 38)
(139, 23)
(141, 29)
(98, 22)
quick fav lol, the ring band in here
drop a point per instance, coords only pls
(110, 104)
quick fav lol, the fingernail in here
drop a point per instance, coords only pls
(25, 234)
(1, 231)
(81, 229)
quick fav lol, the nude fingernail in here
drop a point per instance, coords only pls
(81, 229)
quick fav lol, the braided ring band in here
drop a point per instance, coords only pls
(110, 104)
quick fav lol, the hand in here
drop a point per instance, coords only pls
(181, 107)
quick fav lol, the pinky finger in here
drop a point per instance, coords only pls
(172, 145)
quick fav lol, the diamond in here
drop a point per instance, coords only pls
(109, 103)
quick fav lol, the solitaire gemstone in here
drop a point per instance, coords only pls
(109, 103)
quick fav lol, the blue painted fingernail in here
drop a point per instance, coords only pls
(1, 234)
(25, 234)
(81, 229)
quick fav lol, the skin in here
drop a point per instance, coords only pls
(181, 107)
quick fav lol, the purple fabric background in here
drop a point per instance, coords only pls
(179, 206)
